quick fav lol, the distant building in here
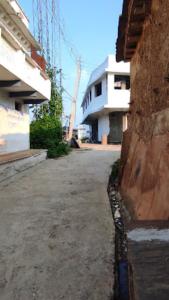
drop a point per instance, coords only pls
(23, 80)
(84, 132)
(106, 101)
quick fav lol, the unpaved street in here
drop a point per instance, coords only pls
(56, 230)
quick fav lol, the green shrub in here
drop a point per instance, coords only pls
(61, 149)
(45, 133)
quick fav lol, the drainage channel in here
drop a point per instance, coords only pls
(122, 282)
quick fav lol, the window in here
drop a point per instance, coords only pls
(121, 82)
(98, 89)
(88, 100)
(18, 106)
(90, 95)
(86, 103)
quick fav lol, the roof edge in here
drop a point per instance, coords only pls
(131, 23)
(25, 30)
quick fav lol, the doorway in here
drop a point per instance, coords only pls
(116, 128)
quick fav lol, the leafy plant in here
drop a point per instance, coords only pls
(54, 107)
(46, 129)
(61, 149)
(45, 133)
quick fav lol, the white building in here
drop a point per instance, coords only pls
(106, 101)
(23, 80)
(83, 132)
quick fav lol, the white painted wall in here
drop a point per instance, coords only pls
(19, 10)
(103, 127)
(16, 42)
(111, 99)
(84, 131)
(15, 62)
(14, 126)
(125, 122)
(97, 103)
(109, 65)
(118, 68)
(116, 98)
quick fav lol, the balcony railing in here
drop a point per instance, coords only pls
(38, 59)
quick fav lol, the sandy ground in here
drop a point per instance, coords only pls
(56, 230)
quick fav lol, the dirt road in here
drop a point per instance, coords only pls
(56, 230)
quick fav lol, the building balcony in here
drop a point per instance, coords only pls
(21, 74)
(118, 99)
(41, 62)
(115, 100)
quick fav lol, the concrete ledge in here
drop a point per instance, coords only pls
(148, 244)
(11, 168)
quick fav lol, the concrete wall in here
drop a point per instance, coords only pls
(117, 98)
(14, 126)
(84, 131)
(19, 10)
(103, 127)
(145, 175)
(110, 99)
(112, 125)
(12, 168)
(109, 66)
(97, 103)
(16, 63)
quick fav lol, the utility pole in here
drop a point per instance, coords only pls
(74, 99)
(47, 33)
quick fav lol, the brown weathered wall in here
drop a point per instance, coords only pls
(145, 180)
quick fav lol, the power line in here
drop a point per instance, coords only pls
(47, 33)
(59, 37)
(64, 90)
(53, 29)
(55, 35)
(57, 28)
(33, 15)
(71, 48)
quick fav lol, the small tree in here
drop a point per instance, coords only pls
(46, 129)
(54, 107)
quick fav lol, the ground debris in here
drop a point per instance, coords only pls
(121, 288)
